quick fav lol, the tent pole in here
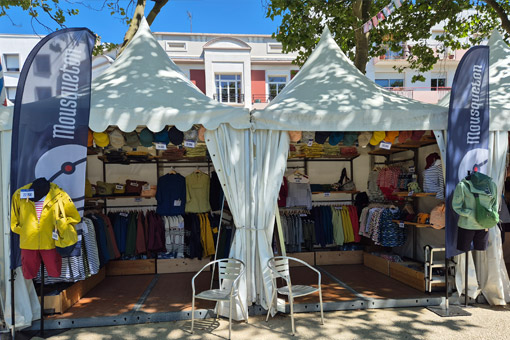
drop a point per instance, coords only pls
(466, 280)
(13, 306)
(217, 240)
(280, 231)
(42, 300)
(446, 263)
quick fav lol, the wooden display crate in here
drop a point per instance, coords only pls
(68, 297)
(324, 258)
(167, 266)
(308, 257)
(411, 277)
(131, 267)
(377, 263)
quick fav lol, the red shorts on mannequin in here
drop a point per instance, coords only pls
(31, 262)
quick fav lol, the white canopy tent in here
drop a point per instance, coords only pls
(330, 94)
(143, 87)
(491, 270)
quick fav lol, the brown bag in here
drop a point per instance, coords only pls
(134, 187)
(148, 190)
(437, 216)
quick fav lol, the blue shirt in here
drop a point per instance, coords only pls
(171, 195)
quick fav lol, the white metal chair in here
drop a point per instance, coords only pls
(279, 266)
(230, 270)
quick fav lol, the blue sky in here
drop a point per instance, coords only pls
(209, 16)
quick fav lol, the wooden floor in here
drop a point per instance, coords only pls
(172, 292)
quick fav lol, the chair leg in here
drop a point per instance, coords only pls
(230, 318)
(291, 300)
(271, 304)
(322, 311)
(192, 313)
(242, 309)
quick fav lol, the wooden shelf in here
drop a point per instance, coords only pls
(335, 192)
(157, 159)
(301, 158)
(99, 198)
(419, 194)
(418, 225)
(401, 147)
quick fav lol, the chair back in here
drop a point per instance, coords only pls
(230, 269)
(279, 266)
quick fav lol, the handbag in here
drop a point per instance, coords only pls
(437, 216)
(105, 189)
(67, 235)
(346, 184)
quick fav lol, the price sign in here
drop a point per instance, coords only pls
(26, 193)
(410, 193)
(401, 224)
(303, 215)
(310, 142)
(138, 199)
(190, 143)
(385, 145)
(411, 169)
(327, 194)
(146, 187)
(160, 146)
(119, 187)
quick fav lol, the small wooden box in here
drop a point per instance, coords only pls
(68, 297)
(325, 258)
(308, 257)
(131, 267)
(409, 276)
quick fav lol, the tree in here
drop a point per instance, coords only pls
(59, 14)
(467, 23)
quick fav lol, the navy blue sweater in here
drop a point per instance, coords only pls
(171, 191)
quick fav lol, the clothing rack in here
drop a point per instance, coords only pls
(132, 207)
(332, 203)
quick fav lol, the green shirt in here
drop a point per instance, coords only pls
(197, 193)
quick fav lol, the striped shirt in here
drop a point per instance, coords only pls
(433, 180)
(39, 207)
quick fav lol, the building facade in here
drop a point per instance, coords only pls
(248, 70)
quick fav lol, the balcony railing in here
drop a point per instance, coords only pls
(261, 98)
(424, 94)
(237, 99)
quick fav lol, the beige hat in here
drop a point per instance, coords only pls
(117, 139)
(364, 139)
(295, 136)
(201, 134)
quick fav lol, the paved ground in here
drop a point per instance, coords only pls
(398, 323)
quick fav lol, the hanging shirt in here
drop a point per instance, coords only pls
(39, 205)
(299, 195)
(197, 193)
(171, 195)
(433, 180)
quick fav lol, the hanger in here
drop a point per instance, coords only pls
(172, 171)
(197, 170)
(298, 173)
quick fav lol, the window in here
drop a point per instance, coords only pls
(276, 85)
(228, 88)
(42, 92)
(42, 65)
(437, 82)
(274, 48)
(11, 62)
(11, 93)
(176, 46)
(390, 82)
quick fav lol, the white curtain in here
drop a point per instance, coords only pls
(270, 160)
(25, 299)
(250, 166)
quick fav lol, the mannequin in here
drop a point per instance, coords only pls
(34, 219)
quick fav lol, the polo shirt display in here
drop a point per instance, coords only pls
(197, 193)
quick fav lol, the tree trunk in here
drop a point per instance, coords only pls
(361, 9)
(133, 26)
(505, 22)
(155, 10)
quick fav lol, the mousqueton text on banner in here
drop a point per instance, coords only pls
(51, 117)
(467, 148)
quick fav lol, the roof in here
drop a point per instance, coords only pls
(330, 93)
(143, 86)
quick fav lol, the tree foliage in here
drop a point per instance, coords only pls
(468, 22)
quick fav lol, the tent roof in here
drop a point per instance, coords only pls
(330, 93)
(144, 87)
(499, 84)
